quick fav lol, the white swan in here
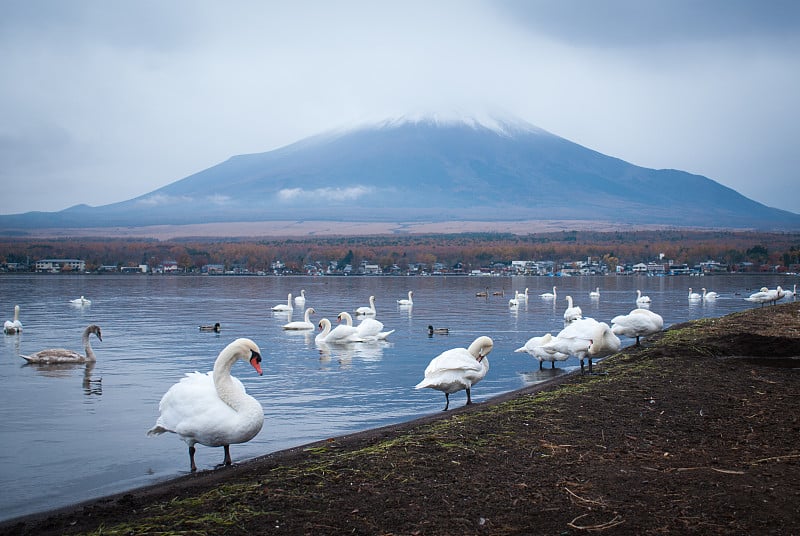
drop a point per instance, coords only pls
(694, 295)
(533, 347)
(514, 302)
(408, 301)
(522, 296)
(213, 409)
(549, 295)
(11, 327)
(762, 296)
(641, 299)
(572, 313)
(595, 294)
(80, 301)
(790, 294)
(285, 307)
(637, 323)
(300, 300)
(458, 368)
(341, 334)
(54, 356)
(585, 338)
(709, 295)
(368, 329)
(367, 310)
(302, 324)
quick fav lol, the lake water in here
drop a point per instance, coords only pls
(66, 440)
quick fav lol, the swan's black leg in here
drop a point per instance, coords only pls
(552, 364)
(447, 398)
(590, 365)
(191, 458)
(581, 366)
(540, 365)
(637, 340)
(227, 460)
(469, 398)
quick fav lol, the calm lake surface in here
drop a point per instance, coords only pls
(66, 440)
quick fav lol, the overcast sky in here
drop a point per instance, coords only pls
(102, 101)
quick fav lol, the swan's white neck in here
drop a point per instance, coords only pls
(87, 347)
(347, 318)
(223, 380)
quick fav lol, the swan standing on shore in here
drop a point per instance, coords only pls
(790, 294)
(55, 356)
(637, 323)
(367, 310)
(458, 368)
(213, 409)
(572, 313)
(285, 307)
(12, 327)
(585, 338)
(408, 301)
(302, 324)
(534, 348)
(300, 300)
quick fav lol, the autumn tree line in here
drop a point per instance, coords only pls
(471, 250)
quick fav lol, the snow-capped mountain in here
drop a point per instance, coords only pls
(429, 169)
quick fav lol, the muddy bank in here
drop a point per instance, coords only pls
(694, 433)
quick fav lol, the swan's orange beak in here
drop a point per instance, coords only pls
(256, 362)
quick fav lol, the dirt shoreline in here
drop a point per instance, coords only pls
(696, 432)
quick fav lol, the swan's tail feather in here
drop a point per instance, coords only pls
(424, 383)
(521, 349)
(156, 430)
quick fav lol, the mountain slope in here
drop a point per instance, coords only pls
(427, 170)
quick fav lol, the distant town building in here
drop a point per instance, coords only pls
(60, 265)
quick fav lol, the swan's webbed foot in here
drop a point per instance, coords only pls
(227, 460)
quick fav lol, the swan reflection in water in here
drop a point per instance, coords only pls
(92, 386)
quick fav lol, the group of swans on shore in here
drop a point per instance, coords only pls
(583, 338)
(766, 295)
(706, 295)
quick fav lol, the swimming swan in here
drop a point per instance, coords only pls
(341, 336)
(284, 307)
(549, 295)
(80, 301)
(368, 329)
(213, 409)
(62, 355)
(302, 324)
(694, 295)
(367, 310)
(458, 368)
(572, 313)
(709, 295)
(641, 299)
(595, 294)
(300, 300)
(408, 301)
(11, 327)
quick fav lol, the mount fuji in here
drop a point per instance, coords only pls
(413, 170)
